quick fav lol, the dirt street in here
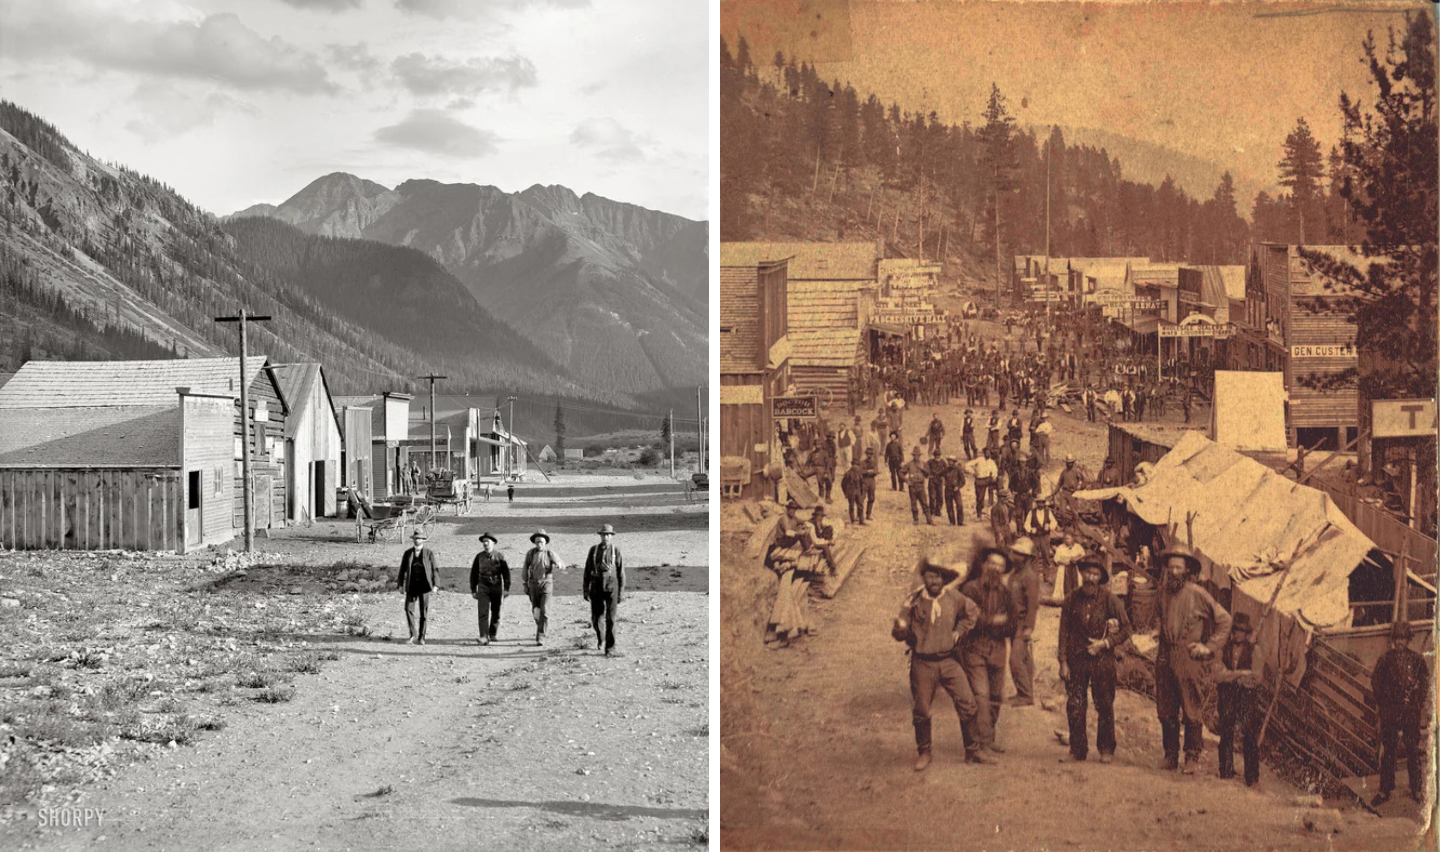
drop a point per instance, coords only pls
(817, 747)
(452, 745)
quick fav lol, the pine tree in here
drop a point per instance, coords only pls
(997, 147)
(665, 430)
(1300, 172)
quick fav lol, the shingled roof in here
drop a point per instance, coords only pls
(809, 261)
(90, 384)
(105, 436)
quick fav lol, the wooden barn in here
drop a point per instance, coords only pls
(313, 442)
(755, 355)
(135, 454)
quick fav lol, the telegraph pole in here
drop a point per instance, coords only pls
(433, 464)
(243, 318)
(700, 432)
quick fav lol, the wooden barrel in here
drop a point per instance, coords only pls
(1142, 606)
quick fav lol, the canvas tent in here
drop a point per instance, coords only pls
(1250, 520)
(1249, 411)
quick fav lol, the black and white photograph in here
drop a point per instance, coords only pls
(354, 424)
(1077, 425)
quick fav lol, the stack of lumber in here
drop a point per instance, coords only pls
(790, 617)
(847, 556)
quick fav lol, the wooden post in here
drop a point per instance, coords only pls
(243, 318)
(1400, 581)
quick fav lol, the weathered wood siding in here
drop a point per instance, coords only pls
(1315, 322)
(265, 467)
(207, 446)
(92, 509)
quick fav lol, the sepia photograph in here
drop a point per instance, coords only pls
(1077, 442)
(354, 440)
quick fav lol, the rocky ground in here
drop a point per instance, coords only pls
(217, 701)
(817, 748)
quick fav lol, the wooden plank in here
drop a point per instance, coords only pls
(845, 565)
(70, 505)
(1345, 687)
(177, 518)
(1361, 720)
(148, 486)
(135, 518)
(1299, 728)
(1326, 735)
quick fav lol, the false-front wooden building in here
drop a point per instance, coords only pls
(754, 361)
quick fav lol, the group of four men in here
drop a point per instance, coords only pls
(602, 585)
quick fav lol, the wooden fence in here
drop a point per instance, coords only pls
(92, 509)
(1383, 528)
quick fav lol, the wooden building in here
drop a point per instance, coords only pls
(497, 454)
(137, 454)
(754, 358)
(389, 429)
(313, 443)
(356, 465)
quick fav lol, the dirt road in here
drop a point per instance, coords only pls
(451, 745)
(817, 748)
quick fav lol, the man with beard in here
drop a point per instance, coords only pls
(489, 584)
(984, 650)
(1092, 624)
(932, 623)
(1401, 684)
(915, 478)
(1193, 629)
(1024, 585)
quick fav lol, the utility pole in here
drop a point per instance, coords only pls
(670, 419)
(243, 318)
(700, 431)
(1047, 231)
(434, 465)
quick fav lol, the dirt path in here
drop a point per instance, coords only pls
(452, 745)
(818, 749)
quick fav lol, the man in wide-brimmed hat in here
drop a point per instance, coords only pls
(954, 489)
(895, 460)
(1401, 684)
(1235, 701)
(984, 651)
(916, 473)
(417, 580)
(933, 622)
(967, 435)
(869, 470)
(1024, 584)
(1193, 628)
(603, 586)
(1092, 624)
(541, 563)
(489, 584)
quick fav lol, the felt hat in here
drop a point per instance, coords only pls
(792, 503)
(493, 539)
(1023, 546)
(1192, 562)
(1400, 630)
(418, 536)
(819, 510)
(1069, 458)
(915, 452)
(1240, 621)
(1090, 561)
(977, 565)
(605, 529)
(935, 451)
(869, 451)
(967, 411)
(539, 534)
(926, 565)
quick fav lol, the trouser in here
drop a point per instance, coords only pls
(896, 481)
(937, 496)
(825, 481)
(1091, 676)
(603, 604)
(983, 487)
(968, 442)
(416, 601)
(488, 607)
(1042, 444)
(857, 506)
(984, 661)
(842, 460)
(539, 603)
(1023, 502)
(1090, 412)
(869, 497)
(917, 502)
(925, 677)
(935, 441)
(954, 509)
(1393, 734)
(1022, 670)
(1174, 694)
(1236, 705)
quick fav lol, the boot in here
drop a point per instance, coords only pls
(923, 761)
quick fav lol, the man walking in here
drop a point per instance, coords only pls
(954, 487)
(489, 584)
(936, 433)
(417, 580)
(984, 650)
(853, 487)
(869, 472)
(1092, 624)
(1024, 586)
(895, 460)
(603, 586)
(540, 567)
(1235, 702)
(936, 472)
(915, 479)
(967, 435)
(932, 623)
(1193, 628)
(1401, 684)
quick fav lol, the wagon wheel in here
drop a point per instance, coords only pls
(823, 396)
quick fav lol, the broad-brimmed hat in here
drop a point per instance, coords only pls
(967, 411)
(926, 564)
(605, 529)
(1240, 621)
(935, 451)
(493, 539)
(1087, 562)
(1401, 630)
(915, 451)
(977, 565)
(1192, 562)
(1069, 458)
(869, 451)
(819, 509)
(1023, 546)
(419, 536)
(539, 534)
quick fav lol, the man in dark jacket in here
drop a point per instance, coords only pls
(869, 471)
(967, 435)
(541, 563)
(984, 651)
(916, 473)
(895, 460)
(954, 487)
(933, 622)
(823, 466)
(489, 584)
(417, 580)
(1235, 701)
(1092, 624)
(852, 485)
(1193, 629)
(936, 433)
(936, 472)
(1024, 585)
(1401, 684)
(603, 586)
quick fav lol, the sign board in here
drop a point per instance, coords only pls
(1403, 418)
(795, 407)
(1197, 330)
(262, 411)
(1340, 350)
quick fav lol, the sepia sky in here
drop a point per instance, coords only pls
(234, 103)
(1221, 81)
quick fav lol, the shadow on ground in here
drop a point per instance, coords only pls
(595, 810)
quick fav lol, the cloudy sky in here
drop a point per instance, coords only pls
(234, 103)
(1221, 81)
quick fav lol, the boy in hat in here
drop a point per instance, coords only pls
(603, 585)
(1193, 628)
(1092, 624)
(932, 622)
(540, 567)
(417, 580)
(915, 476)
(984, 650)
(1235, 701)
(1401, 683)
(489, 584)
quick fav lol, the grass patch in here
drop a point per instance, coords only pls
(13, 669)
(258, 680)
(209, 723)
(702, 731)
(119, 693)
(275, 695)
(303, 664)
